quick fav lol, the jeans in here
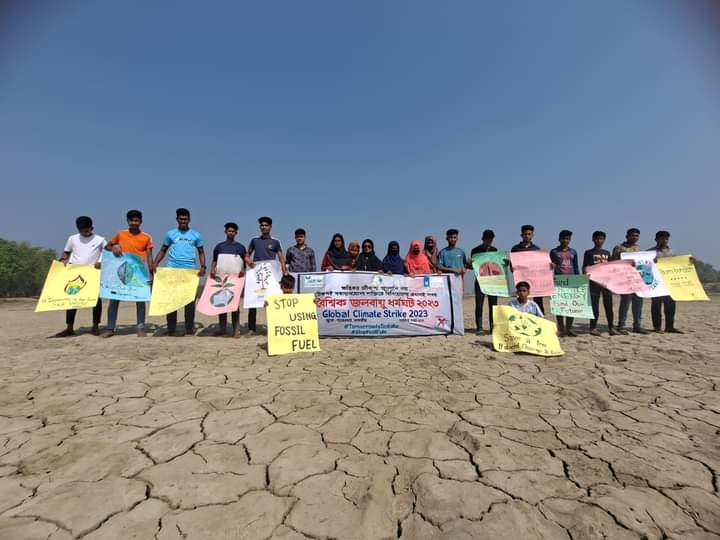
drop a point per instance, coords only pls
(637, 303)
(479, 301)
(222, 319)
(659, 304)
(607, 304)
(113, 312)
(189, 319)
(96, 314)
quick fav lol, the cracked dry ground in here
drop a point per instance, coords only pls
(417, 438)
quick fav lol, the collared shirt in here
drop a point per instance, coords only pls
(264, 249)
(528, 307)
(452, 258)
(522, 246)
(182, 245)
(300, 260)
(624, 248)
(565, 260)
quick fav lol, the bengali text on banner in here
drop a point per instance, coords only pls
(371, 304)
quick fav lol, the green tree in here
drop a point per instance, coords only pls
(706, 272)
(23, 268)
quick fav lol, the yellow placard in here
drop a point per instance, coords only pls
(514, 331)
(292, 324)
(173, 288)
(681, 279)
(74, 286)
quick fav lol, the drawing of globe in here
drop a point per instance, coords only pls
(490, 269)
(222, 298)
(125, 272)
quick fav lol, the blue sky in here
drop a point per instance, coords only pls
(388, 120)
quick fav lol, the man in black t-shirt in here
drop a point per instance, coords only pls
(487, 238)
(598, 255)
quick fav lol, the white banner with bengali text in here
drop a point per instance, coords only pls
(376, 305)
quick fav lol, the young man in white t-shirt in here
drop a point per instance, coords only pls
(83, 248)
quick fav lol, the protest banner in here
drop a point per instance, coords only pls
(221, 294)
(681, 278)
(619, 277)
(292, 324)
(515, 331)
(533, 267)
(648, 270)
(572, 297)
(173, 288)
(371, 304)
(492, 273)
(261, 281)
(74, 286)
(124, 278)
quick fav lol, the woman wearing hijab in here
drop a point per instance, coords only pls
(393, 263)
(354, 251)
(336, 257)
(416, 262)
(367, 261)
(431, 252)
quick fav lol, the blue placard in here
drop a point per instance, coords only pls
(124, 278)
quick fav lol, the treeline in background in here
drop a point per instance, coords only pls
(23, 269)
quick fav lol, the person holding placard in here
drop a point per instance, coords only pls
(136, 242)
(180, 244)
(487, 239)
(263, 248)
(664, 303)
(630, 245)
(85, 247)
(523, 303)
(229, 258)
(565, 260)
(527, 233)
(598, 255)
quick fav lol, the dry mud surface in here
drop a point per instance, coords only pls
(415, 438)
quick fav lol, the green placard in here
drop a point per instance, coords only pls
(572, 297)
(491, 271)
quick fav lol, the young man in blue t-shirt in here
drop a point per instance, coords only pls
(180, 245)
(229, 258)
(263, 248)
(452, 259)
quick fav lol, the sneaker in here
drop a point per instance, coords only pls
(641, 331)
(595, 332)
(622, 331)
(614, 332)
(674, 331)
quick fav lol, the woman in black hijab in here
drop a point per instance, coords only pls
(367, 260)
(393, 262)
(336, 257)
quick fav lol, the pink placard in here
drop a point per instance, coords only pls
(534, 267)
(620, 277)
(221, 294)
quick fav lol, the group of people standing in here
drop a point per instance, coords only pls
(184, 248)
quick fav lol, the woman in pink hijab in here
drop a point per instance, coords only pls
(416, 262)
